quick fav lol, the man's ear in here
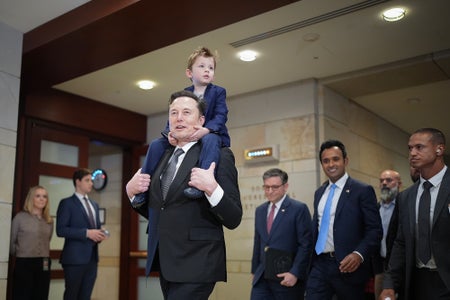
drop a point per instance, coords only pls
(202, 120)
(440, 150)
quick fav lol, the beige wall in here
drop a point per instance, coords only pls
(10, 62)
(372, 143)
(107, 283)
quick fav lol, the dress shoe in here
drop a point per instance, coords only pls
(193, 193)
(138, 200)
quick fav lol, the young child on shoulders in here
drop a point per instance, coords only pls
(214, 133)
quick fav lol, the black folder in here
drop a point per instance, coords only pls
(277, 261)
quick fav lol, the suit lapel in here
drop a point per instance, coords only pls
(343, 198)
(280, 214)
(442, 197)
(156, 179)
(264, 223)
(81, 207)
(411, 203)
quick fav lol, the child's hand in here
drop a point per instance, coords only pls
(198, 133)
(172, 140)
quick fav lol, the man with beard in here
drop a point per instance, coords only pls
(390, 183)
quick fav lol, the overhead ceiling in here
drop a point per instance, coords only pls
(399, 70)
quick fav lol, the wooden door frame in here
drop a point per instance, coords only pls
(130, 271)
(26, 176)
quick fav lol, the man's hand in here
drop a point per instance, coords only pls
(289, 279)
(204, 179)
(138, 184)
(387, 294)
(350, 263)
(96, 235)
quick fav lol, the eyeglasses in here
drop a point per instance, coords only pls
(273, 187)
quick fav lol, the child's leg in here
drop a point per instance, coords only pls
(154, 153)
(211, 144)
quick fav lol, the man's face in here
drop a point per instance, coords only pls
(84, 186)
(422, 152)
(274, 189)
(333, 163)
(389, 185)
(184, 118)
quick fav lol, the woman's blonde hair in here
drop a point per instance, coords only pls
(28, 205)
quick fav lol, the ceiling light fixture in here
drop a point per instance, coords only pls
(311, 37)
(413, 101)
(146, 84)
(247, 55)
(394, 14)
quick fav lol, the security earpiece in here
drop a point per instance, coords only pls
(438, 151)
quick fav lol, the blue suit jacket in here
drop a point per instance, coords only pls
(216, 114)
(72, 222)
(291, 231)
(357, 225)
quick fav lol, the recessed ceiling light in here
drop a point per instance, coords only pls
(413, 101)
(247, 55)
(311, 37)
(146, 84)
(394, 14)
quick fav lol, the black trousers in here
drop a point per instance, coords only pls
(184, 290)
(427, 284)
(31, 278)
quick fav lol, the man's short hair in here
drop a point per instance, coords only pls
(330, 144)
(201, 104)
(79, 174)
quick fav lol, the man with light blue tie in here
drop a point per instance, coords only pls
(346, 230)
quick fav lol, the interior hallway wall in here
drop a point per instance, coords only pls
(10, 64)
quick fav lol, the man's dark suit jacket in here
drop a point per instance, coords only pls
(291, 232)
(188, 233)
(357, 226)
(403, 255)
(71, 223)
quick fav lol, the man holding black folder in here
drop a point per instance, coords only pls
(282, 243)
